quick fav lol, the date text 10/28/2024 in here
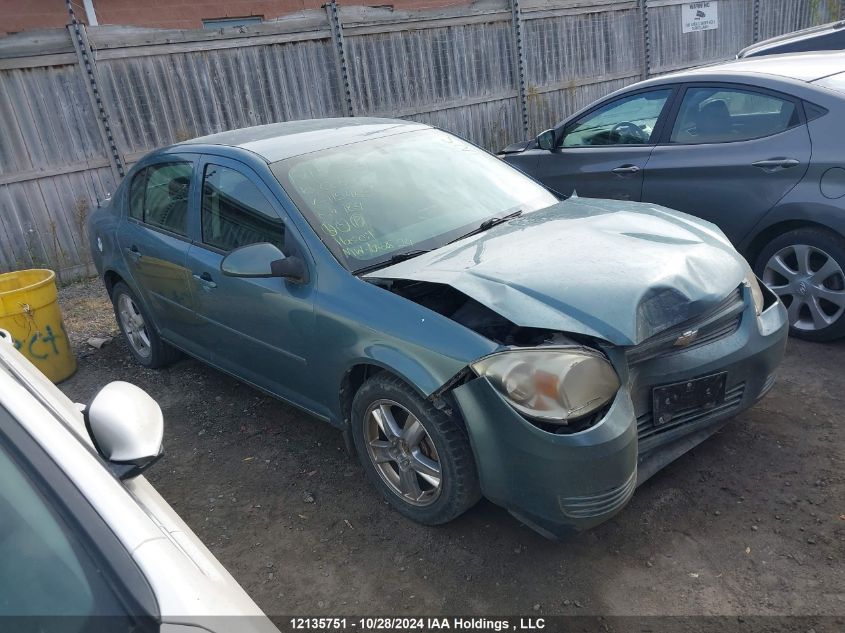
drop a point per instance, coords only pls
(466, 624)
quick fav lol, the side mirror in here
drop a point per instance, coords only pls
(126, 426)
(546, 140)
(263, 260)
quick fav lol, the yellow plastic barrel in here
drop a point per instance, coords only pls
(29, 310)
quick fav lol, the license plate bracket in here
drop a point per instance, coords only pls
(669, 401)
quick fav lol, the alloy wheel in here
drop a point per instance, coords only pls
(133, 325)
(403, 452)
(810, 283)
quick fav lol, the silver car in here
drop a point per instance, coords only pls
(86, 543)
(754, 146)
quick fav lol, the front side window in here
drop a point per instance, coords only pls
(158, 196)
(235, 212)
(722, 115)
(47, 568)
(627, 121)
(410, 191)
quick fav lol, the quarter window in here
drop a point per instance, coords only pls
(627, 121)
(158, 196)
(722, 115)
(235, 212)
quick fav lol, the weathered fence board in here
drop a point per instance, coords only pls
(455, 67)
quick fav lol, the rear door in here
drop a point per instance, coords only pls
(603, 153)
(258, 329)
(154, 242)
(730, 153)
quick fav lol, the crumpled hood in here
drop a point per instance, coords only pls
(620, 271)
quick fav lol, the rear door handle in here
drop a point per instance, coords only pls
(773, 164)
(133, 250)
(206, 280)
(626, 169)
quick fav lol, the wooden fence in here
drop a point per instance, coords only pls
(79, 105)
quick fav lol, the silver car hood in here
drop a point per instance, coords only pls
(619, 271)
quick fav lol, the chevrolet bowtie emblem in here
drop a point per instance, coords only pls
(686, 338)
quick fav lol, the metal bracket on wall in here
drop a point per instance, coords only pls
(755, 36)
(646, 62)
(84, 54)
(337, 39)
(519, 63)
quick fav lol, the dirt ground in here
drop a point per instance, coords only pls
(752, 522)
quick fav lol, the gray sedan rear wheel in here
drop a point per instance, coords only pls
(146, 345)
(806, 269)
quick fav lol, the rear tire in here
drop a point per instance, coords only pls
(806, 269)
(416, 455)
(143, 340)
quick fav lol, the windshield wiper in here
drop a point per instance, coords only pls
(488, 224)
(393, 259)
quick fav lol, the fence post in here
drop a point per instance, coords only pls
(519, 63)
(755, 36)
(85, 57)
(646, 61)
(340, 53)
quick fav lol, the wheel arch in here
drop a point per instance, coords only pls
(757, 243)
(111, 278)
(362, 370)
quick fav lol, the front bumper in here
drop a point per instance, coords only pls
(559, 484)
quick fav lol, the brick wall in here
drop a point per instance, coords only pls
(23, 15)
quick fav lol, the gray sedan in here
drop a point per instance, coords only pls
(755, 146)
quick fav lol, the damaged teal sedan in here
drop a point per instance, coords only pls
(469, 332)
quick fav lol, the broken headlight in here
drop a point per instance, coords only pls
(754, 285)
(554, 385)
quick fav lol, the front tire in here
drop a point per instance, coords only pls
(416, 455)
(144, 342)
(806, 269)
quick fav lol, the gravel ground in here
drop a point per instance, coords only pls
(752, 522)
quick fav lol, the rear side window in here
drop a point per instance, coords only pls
(158, 196)
(722, 115)
(235, 212)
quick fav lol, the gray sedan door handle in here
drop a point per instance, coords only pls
(206, 280)
(773, 164)
(626, 169)
(133, 251)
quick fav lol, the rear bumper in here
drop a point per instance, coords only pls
(559, 484)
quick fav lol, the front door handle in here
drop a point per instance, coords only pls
(133, 251)
(626, 169)
(773, 164)
(206, 280)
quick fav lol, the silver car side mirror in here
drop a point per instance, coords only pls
(126, 426)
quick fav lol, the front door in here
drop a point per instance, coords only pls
(258, 329)
(153, 239)
(730, 155)
(603, 153)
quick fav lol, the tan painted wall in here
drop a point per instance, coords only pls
(24, 15)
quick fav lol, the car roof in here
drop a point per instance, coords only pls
(801, 66)
(278, 141)
(810, 33)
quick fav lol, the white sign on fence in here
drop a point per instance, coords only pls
(700, 16)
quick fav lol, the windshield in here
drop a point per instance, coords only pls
(376, 199)
(837, 82)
